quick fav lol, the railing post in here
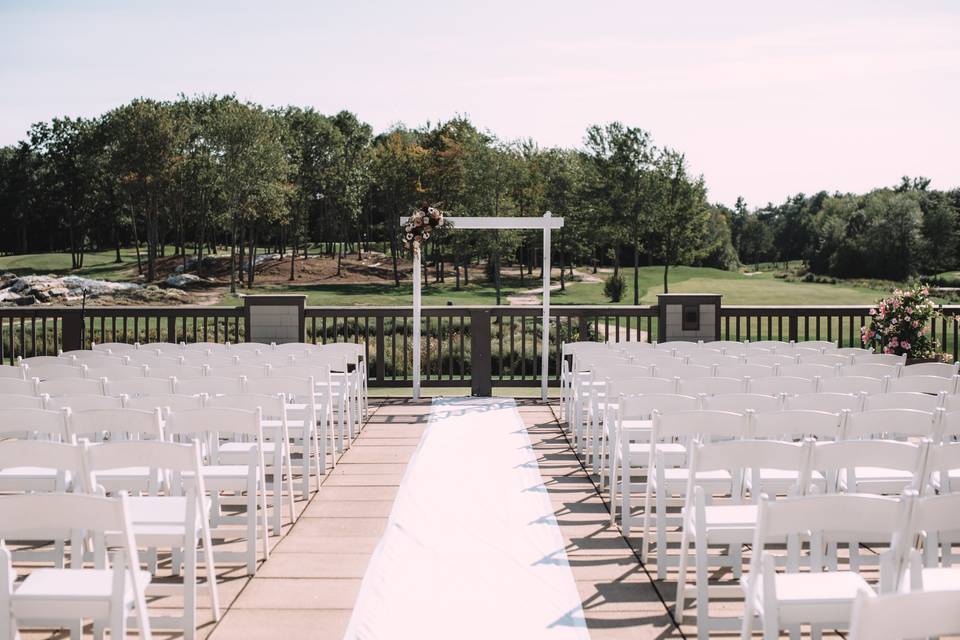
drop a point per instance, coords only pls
(71, 328)
(381, 368)
(793, 334)
(172, 328)
(481, 379)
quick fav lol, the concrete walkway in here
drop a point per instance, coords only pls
(309, 585)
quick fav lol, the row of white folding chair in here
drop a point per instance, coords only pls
(121, 424)
(57, 597)
(169, 513)
(826, 599)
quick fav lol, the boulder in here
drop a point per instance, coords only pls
(24, 301)
(183, 280)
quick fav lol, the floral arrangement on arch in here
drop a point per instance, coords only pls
(901, 324)
(421, 224)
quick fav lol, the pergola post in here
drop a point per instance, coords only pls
(416, 325)
(545, 331)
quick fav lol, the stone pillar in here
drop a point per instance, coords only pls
(276, 318)
(688, 316)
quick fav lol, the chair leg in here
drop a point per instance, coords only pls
(682, 573)
(190, 588)
(118, 622)
(253, 535)
(703, 592)
(661, 508)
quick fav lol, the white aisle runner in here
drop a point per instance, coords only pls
(472, 549)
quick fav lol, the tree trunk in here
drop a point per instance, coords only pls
(496, 274)
(252, 258)
(233, 253)
(136, 241)
(393, 259)
(293, 254)
(339, 257)
(666, 268)
(636, 275)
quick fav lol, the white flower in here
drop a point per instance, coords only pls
(426, 235)
(409, 237)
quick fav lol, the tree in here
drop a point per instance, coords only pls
(756, 241)
(681, 214)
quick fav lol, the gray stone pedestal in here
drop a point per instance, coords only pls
(276, 318)
(688, 316)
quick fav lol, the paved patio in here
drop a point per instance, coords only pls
(310, 583)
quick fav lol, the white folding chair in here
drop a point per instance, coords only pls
(211, 347)
(830, 402)
(852, 384)
(745, 370)
(776, 385)
(823, 599)
(114, 347)
(769, 359)
(923, 384)
(825, 359)
(872, 370)
(880, 358)
(941, 369)
(774, 346)
(710, 386)
(44, 361)
(239, 371)
(936, 525)
(943, 467)
(668, 481)
(18, 401)
(682, 371)
(895, 616)
(808, 371)
(732, 523)
(211, 386)
(117, 372)
(823, 346)
(599, 399)
(175, 370)
(568, 351)
(679, 346)
(9, 371)
(710, 358)
(894, 424)
(248, 347)
(62, 597)
(247, 480)
(17, 422)
(84, 402)
(276, 449)
(903, 400)
(729, 347)
(97, 359)
(56, 371)
(856, 352)
(178, 517)
(138, 387)
(19, 386)
(881, 467)
(630, 443)
(70, 387)
(742, 402)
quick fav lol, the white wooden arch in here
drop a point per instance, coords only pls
(546, 223)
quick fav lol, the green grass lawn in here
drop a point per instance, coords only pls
(736, 288)
(99, 264)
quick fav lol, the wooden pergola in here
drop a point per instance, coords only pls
(546, 223)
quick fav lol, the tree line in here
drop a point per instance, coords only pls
(213, 174)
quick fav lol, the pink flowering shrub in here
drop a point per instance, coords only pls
(901, 324)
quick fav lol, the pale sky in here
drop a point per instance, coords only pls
(766, 98)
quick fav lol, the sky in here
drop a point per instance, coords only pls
(767, 99)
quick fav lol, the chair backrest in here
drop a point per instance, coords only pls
(138, 387)
(852, 351)
(615, 371)
(738, 456)
(942, 459)
(680, 346)
(70, 387)
(22, 387)
(933, 516)
(870, 370)
(211, 347)
(43, 361)
(15, 421)
(166, 402)
(35, 513)
(319, 373)
(117, 372)
(699, 423)
(352, 352)
(196, 360)
(826, 359)
(652, 357)
(730, 347)
(891, 423)
(170, 348)
(296, 346)
(710, 357)
(845, 514)
(881, 358)
(941, 369)
(632, 347)
(176, 370)
(240, 347)
(851, 384)
(99, 359)
(826, 346)
(745, 370)
(272, 358)
(615, 387)
(20, 401)
(271, 406)
(796, 423)
(63, 457)
(209, 385)
(119, 423)
(642, 406)
(588, 361)
(902, 400)
(180, 458)
(809, 371)
(682, 371)
(153, 357)
(294, 388)
(56, 371)
(742, 402)
(215, 420)
(830, 457)
(771, 345)
(895, 616)
(769, 359)
(572, 348)
(710, 386)
(775, 385)
(923, 384)
(829, 402)
(84, 402)
(114, 347)
(239, 371)
(10, 371)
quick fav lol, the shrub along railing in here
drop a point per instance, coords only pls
(476, 346)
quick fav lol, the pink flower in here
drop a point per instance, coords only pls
(873, 312)
(925, 291)
(916, 324)
(905, 346)
(894, 341)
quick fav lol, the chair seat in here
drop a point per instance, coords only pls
(779, 481)
(712, 481)
(674, 453)
(63, 594)
(644, 426)
(818, 597)
(127, 478)
(877, 480)
(727, 524)
(235, 448)
(28, 479)
(940, 578)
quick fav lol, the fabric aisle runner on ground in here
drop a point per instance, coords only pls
(472, 549)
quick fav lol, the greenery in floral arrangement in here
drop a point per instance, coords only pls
(901, 324)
